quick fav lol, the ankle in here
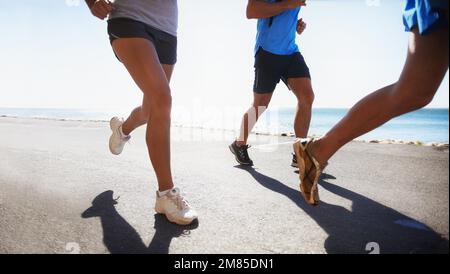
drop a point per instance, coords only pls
(124, 130)
(166, 187)
(240, 143)
(163, 191)
(318, 152)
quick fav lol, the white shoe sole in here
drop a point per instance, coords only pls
(172, 220)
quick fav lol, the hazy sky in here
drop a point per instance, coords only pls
(54, 53)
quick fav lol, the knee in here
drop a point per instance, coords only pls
(421, 101)
(306, 98)
(160, 106)
(261, 103)
(414, 101)
(145, 113)
(163, 103)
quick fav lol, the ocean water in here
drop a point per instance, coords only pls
(426, 125)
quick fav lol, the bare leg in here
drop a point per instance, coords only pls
(260, 104)
(139, 115)
(141, 60)
(137, 118)
(425, 68)
(302, 89)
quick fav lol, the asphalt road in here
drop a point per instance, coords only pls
(392, 197)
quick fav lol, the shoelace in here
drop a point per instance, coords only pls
(243, 152)
(180, 202)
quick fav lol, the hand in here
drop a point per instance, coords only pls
(301, 26)
(101, 8)
(292, 4)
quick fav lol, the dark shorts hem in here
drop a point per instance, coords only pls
(271, 68)
(164, 43)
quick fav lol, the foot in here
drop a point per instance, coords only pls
(175, 207)
(309, 171)
(241, 154)
(294, 161)
(315, 151)
(117, 140)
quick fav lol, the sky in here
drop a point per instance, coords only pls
(55, 54)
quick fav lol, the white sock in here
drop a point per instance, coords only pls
(163, 193)
(121, 132)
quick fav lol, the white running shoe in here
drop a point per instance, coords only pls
(175, 207)
(117, 140)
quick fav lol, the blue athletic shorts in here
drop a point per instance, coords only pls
(426, 15)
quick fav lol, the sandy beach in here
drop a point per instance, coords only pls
(396, 196)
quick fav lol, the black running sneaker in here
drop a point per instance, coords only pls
(294, 161)
(241, 154)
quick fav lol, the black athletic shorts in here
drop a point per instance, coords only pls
(165, 44)
(271, 68)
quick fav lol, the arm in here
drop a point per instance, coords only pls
(100, 8)
(261, 9)
(90, 3)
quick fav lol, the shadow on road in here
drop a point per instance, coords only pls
(367, 222)
(120, 237)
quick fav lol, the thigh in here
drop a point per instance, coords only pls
(426, 65)
(140, 58)
(262, 100)
(301, 87)
(146, 103)
(168, 71)
(268, 71)
(266, 80)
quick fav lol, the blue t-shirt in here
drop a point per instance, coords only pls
(280, 37)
